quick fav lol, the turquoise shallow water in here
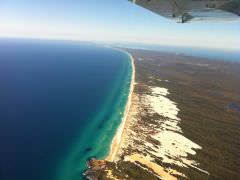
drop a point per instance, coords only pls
(61, 102)
(96, 135)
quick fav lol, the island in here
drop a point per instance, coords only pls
(182, 123)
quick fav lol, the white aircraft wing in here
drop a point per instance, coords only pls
(188, 10)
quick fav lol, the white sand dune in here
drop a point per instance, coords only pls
(174, 148)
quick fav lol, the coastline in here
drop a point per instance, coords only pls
(158, 137)
(116, 142)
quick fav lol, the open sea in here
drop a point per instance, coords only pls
(60, 103)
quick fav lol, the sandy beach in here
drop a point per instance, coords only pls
(158, 137)
(172, 144)
(117, 140)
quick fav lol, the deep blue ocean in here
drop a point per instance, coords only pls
(60, 103)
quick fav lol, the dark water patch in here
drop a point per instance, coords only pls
(88, 149)
(100, 126)
(234, 106)
(103, 121)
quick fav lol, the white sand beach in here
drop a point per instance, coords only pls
(121, 129)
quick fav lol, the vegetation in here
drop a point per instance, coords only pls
(203, 90)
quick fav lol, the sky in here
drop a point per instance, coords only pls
(109, 21)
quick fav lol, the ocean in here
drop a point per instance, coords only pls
(61, 103)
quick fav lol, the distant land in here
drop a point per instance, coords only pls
(183, 121)
(204, 52)
(73, 110)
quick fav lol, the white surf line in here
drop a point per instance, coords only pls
(118, 136)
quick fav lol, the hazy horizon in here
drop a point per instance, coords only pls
(109, 21)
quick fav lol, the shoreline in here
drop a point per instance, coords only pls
(158, 137)
(116, 142)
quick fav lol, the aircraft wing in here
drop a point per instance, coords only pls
(188, 10)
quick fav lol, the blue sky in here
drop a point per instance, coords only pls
(109, 20)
